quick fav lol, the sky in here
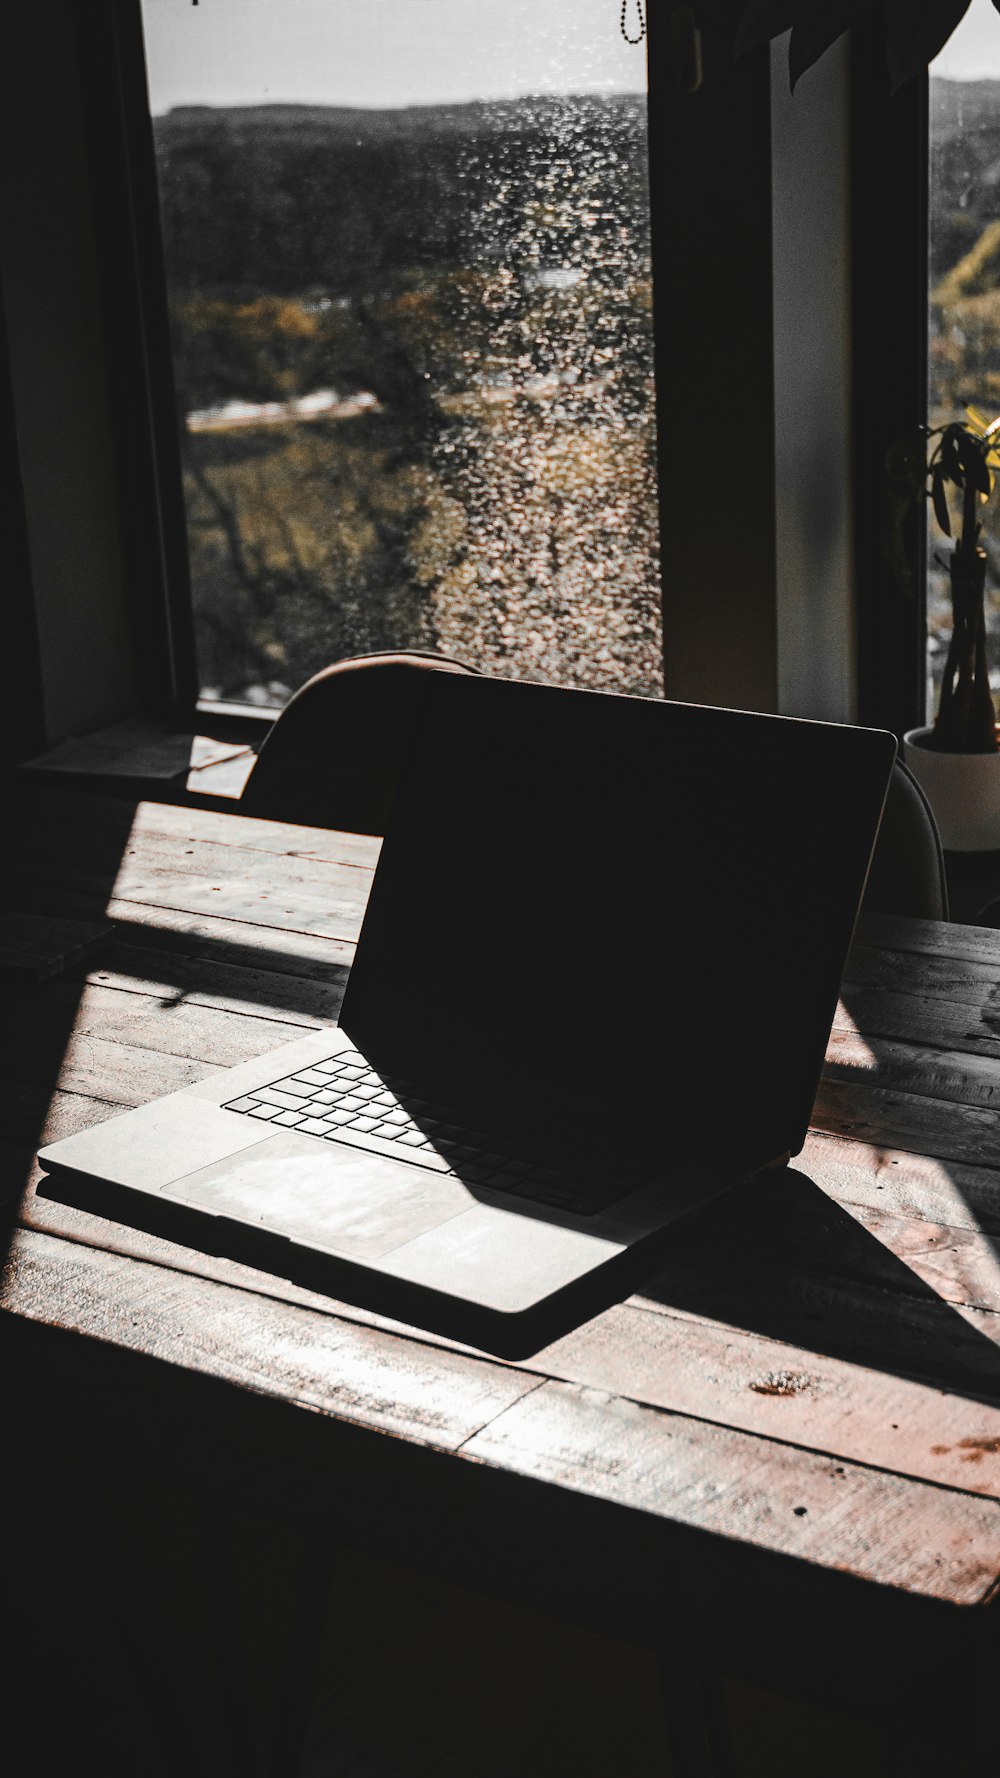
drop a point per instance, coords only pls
(973, 52)
(384, 52)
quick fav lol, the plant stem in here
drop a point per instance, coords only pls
(965, 721)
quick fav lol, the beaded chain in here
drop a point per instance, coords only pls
(642, 22)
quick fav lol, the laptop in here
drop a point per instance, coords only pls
(593, 990)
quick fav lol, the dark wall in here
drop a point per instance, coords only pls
(58, 377)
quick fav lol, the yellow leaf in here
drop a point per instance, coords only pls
(981, 423)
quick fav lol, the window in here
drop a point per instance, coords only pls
(408, 268)
(964, 356)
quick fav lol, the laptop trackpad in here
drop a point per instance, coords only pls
(358, 1204)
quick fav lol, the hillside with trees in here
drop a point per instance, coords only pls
(965, 242)
(463, 295)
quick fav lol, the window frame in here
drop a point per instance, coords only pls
(719, 625)
(21, 728)
(890, 196)
(124, 160)
(141, 394)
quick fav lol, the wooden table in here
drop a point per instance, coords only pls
(781, 1461)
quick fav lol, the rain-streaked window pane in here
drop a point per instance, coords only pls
(964, 362)
(408, 264)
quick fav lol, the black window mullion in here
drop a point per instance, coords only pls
(139, 368)
(890, 331)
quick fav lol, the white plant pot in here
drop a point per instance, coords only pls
(963, 789)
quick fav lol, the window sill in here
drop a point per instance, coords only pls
(206, 764)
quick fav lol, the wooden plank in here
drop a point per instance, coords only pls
(882, 1528)
(893, 1118)
(373, 1379)
(936, 938)
(941, 1259)
(716, 1372)
(329, 916)
(111, 1028)
(688, 1364)
(57, 1114)
(172, 975)
(118, 1073)
(154, 854)
(38, 1117)
(288, 952)
(954, 1004)
(910, 1231)
(834, 1318)
(331, 902)
(285, 838)
(173, 1025)
(291, 879)
(125, 1049)
(960, 1265)
(862, 1242)
(930, 938)
(953, 1076)
(888, 1320)
(63, 811)
(927, 977)
(944, 1024)
(908, 1185)
(900, 1533)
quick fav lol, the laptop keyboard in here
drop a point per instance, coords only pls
(346, 1100)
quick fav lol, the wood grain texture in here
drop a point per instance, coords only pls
(688, 1363)
(246, 988)
(668, 1465)
(73, 815)
(911, 1185)
(356, 1373)
(932, 1073)
(897, 1118)
(192, 862)
(212, 935)
(930, 978)
(169, 1026)
(899, 1533)
(829, 1341)
(721, 1373)
(262, 898)
(930, 938)
(951, 1025)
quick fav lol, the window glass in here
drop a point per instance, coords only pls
(964, 364)
(407, 252)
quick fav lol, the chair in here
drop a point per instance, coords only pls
(907, 874)
(333, 755)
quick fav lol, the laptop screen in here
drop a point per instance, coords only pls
(621, 918)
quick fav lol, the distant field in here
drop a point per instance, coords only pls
(462, 298)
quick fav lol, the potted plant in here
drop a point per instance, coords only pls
(957, 758)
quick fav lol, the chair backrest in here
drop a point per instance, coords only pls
(333, 755)
(907, 874)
